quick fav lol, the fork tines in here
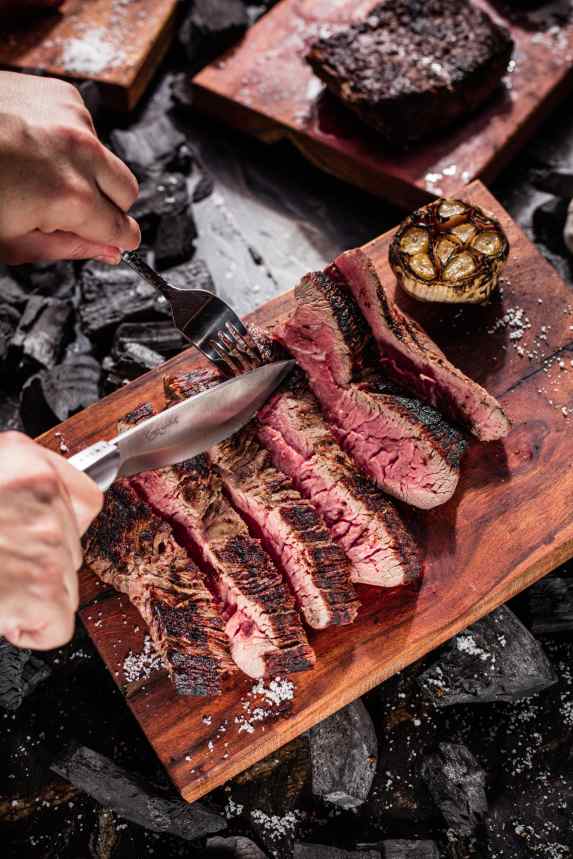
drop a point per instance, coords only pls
(236, 349)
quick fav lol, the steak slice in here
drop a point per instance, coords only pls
(407, 448)
(290, 526)
(414, 67)
(133, 550)
(411, 358)
(366, 524)
(265, 632)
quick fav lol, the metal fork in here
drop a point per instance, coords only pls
(205, 320)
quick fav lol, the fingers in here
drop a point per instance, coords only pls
(116, 181)
(96, 219)
(47, 247)
(85, 497)
(55, 628)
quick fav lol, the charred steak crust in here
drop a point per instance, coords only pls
(129, 547)
(414, 67)
(413, 360)
(413, 460)
(289, 525)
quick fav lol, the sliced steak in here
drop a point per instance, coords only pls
(366, 523)
(133, 550)
(411, 358)
(289, 525)
(264, 629)
(408, 449)
(414, 67)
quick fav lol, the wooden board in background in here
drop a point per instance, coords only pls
(509, 523)
(265, 87)
(139, 30)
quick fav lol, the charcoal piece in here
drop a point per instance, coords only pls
(40, 337)
(9, 319)
(400, 848)
(191, 275)
(182, 90)
(11, 292)
(456, 783)
(551, 606)
(237, 847)
(322, 851)
(161, 337)
(210, 28)
(183, 159)
(54, 395)
(132, 360)
(556, 181)
(54, 280)
(81, 345)
(174, 242)
(148, 148)
(496, 659)
(204, 187)
(160, 195)
(133, 798)
(20, 673)
(10, 414)
(344, 751)
(548, 221)
(115, 295)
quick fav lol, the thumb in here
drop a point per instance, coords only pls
(50, 247)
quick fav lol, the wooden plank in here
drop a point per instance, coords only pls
(265, 87)
(139, 32)
(509, 523)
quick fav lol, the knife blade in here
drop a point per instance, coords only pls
(184, 430)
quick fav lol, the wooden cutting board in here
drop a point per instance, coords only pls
(265, 87)
(133, 35)
(509, 523)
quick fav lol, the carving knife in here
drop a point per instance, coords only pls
(184, 430)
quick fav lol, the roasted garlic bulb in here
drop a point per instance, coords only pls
(449, 251)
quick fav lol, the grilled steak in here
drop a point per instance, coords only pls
(366, 523)
(129, 547)
(406, 447)
(414, 67)
(264, 629)
(411, 359)
(289, 525)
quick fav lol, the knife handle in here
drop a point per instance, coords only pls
(100, 461)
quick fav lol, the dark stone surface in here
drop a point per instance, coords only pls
(457, 785)
(551, 606)
(496, 659)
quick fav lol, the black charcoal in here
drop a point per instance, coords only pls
(115, 295)
(548, 222)
(204, 187)
(9, 319)
(20, 674)
(344, 752)
(160, 195)
(175, 239)
(556, 182)
(10, 414)
(148, 149)
(182, 90)
(551, 606)
(40, 337)
(210, 28)
(400, 848)
(161, 337)
(52, 279)
(54, 395)
(237, 847)
(456, 783)
(133, 798)
(12, 292)
(132, 360)
(323, 851)
(496, 659)
(192, 275)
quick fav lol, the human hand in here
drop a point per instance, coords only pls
(63, 195)
(45, 506)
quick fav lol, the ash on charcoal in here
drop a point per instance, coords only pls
(237, 847)
(551, 606)
(162, 195)
(54, 395)
(54, 280)
(344, 752)
(40, 337)
(160, 337)
(400, 848)
(115, 295)
(133, 798)
(20, 674)
(128, 363)
(175, 239)
(322, 851)
(148, 149)
(11, 292)
(496, 659)
(210, 28)
(191, 275)
(9, 319)
(456, 783)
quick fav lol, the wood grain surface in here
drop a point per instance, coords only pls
(509, 523)
(265, 87)
(139, 32)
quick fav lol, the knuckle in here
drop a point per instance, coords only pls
(41, 480)
(73, 137)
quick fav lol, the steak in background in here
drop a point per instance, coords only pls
(411, 358)
(133, 550)
(289, 525)
(366, 524)
(264, 630)
(414, 67)
(406, 447)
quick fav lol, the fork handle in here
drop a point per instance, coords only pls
(140, 267)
